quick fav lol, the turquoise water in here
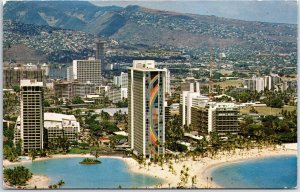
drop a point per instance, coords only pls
(273, 172)
(109, 174)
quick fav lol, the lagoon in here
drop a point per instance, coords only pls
(271, 172)
(111, 173)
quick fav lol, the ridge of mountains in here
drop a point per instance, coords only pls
(137, 25)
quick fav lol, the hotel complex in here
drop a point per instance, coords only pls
(221, 118)
(55, 125)
(61, 125)
(146, 112)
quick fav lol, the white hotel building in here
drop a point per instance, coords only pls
(146, 111)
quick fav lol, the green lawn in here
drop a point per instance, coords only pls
(76, 150)
(268, 110)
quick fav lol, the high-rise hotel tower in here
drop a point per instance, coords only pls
(146, 112)
(87, 71)
(32, 116)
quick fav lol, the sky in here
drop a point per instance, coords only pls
(277, 11)
(266, 11)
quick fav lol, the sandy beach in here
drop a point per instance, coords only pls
(201, 167)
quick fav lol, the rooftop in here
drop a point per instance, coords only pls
(31, 83)
(58, 117)
(144, 65)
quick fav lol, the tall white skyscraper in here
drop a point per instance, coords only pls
(146, 112)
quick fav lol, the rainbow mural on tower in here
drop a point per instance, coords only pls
(153, 90)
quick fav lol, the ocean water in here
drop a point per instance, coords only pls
(111, 173)
(272, 172)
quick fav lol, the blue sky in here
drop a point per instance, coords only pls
(277, 11)
(268, 11)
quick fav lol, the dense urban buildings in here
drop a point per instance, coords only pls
(186, 104)
(255, 83)
(32, 116)
(268, 82)
(204, 116)
(121, 80)
(117, 94)
(87, 71)
(190, 84)
(186, 101)
(146, 112)
(14, 73)
(69, 89)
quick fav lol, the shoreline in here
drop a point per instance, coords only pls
(208, 171)
(56, 156)
(38, 181)
(202, 167)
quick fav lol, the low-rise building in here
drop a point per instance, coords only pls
(61, 125)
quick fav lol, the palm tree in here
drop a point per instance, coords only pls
(161, 162)
(194, 181)
(104, 115)
(60, 183)
(96, 154)
(170, 168)
(33, 154)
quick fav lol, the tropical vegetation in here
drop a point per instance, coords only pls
(89, 161)
(57, 185)
(17, 176)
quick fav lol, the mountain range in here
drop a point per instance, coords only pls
(154, 28)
